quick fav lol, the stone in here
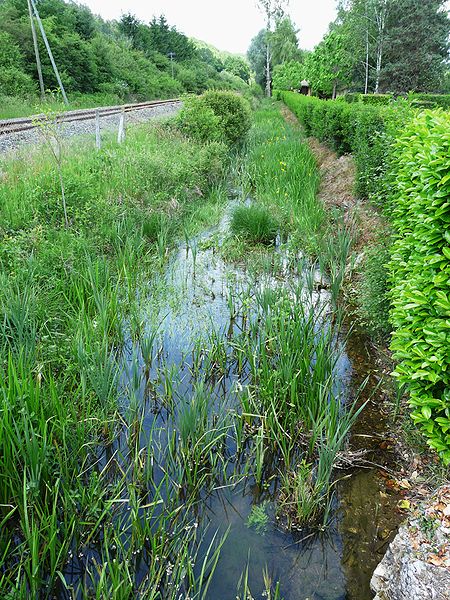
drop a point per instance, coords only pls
(407, 571)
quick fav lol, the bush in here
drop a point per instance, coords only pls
(216, 116)
(255, 224)
(14, 82)
(376, 99)
(365, 131)
(420, 272)
(198, 121)
(233, 112)
(435, 100)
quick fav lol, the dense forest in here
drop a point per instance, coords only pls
(373, 46)
(127, 59)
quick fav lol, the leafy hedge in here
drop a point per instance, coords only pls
(420, 270)
(365, 131)
(435, 100)
(405, 154)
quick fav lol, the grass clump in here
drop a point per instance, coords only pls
(255, 224)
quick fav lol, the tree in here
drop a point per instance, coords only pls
(284, 42)
(328, 66)
(257, 54)
(416, 46)
(237, 66)
(273, 10)
(288, 75)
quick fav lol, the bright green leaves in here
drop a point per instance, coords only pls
(420, 272)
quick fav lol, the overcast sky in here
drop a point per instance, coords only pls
(227, 24)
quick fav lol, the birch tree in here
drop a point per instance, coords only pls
(272, 10)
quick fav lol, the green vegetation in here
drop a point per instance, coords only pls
(66, 293)
(401, 157)
(258, 518)
(80, 284)
(420, 269)
(214, 116)
(373, 290)
(103, 62)
(387, 46)
(255, 224)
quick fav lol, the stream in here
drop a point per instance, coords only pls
(187, 306)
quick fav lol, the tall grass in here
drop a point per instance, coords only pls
(66, 295)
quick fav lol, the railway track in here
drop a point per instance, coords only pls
(27, 123)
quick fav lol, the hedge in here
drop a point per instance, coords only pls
(420, 271)
(433, 100)
(404, 153)
(364, 130)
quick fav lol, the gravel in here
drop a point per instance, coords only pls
(13, 141)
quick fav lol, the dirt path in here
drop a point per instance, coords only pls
(337, 175)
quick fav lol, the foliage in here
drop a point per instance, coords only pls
(420, 271)
(127, 59)
(284, 42)
(436, 100)
(199, 121)
(233, 113)
(254, 223)
(288, 76)
(373, 290)
(256, 55)
(238, 66)
(366, 131)
(327, 67)
(258, 518)
(415, 46)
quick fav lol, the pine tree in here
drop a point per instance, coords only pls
(415, 46)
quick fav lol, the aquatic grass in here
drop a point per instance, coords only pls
(68, 298)
(254, 223)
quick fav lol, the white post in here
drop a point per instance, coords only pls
(98, 139)
(121, 134)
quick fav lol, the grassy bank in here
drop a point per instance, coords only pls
(112, 440)
(67, 292)
(411, 188)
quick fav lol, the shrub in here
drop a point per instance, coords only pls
(366, 131)
(255, 224)
(420, 272)
(436, 100)
(14, 82)
(198, 121)
(214, 116)
(376, 99)
(233, 112)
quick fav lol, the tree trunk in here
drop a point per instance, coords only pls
(268, 77)
(366, 83)
(380, 17)
(334, 90)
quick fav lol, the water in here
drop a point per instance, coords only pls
(181, 310)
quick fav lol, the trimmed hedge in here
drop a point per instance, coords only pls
(430, 100)
(420, 271)
(365, 131)
(404, 154)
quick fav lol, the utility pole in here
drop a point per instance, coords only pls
(171, 55)
(36, 52)
(50, 55)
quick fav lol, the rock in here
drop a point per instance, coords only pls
(415, 566)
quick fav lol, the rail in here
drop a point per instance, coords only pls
(26, 123)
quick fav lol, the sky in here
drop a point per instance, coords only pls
(227, 24)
